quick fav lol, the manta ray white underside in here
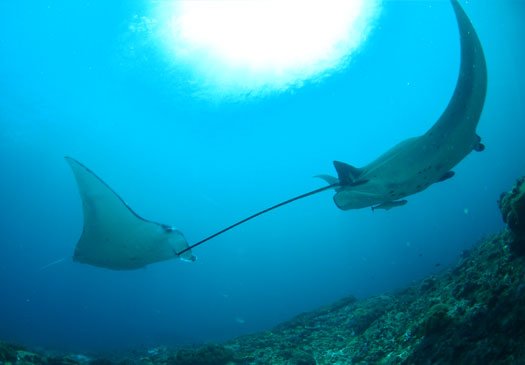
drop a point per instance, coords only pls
(114, 236)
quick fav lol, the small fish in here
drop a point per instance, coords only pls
(390, 204)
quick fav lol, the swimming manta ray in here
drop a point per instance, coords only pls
(115, 237)
(416, 163)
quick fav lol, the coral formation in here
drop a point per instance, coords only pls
(473, 313)
(8, 353)
(206, 355)
(512, 206)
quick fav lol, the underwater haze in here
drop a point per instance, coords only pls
(89, 79)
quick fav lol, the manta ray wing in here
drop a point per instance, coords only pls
(114, 236)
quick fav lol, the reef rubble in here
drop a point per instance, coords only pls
(472, 313)
(512, 207)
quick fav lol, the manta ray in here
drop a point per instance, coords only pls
(416, 163)
(114, 236)
(117, 238)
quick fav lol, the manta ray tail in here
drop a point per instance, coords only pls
(286, 202)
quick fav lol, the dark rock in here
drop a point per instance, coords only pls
(437, 319)
(512, 207)
(300, 357)
(206, 355)
(428, 284)
(101, 362)
(58, 360)
(8, 353)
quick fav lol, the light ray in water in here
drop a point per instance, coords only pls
(236, 47)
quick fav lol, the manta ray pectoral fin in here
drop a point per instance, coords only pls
(348, 174)
(447, 176)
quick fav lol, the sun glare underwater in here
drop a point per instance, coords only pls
(199, 113)
(235, 48)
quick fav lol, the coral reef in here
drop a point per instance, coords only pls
(206, 355)
(512, 206)
(472, 313)
(9, 353)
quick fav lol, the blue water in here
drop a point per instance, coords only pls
(67, 89)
